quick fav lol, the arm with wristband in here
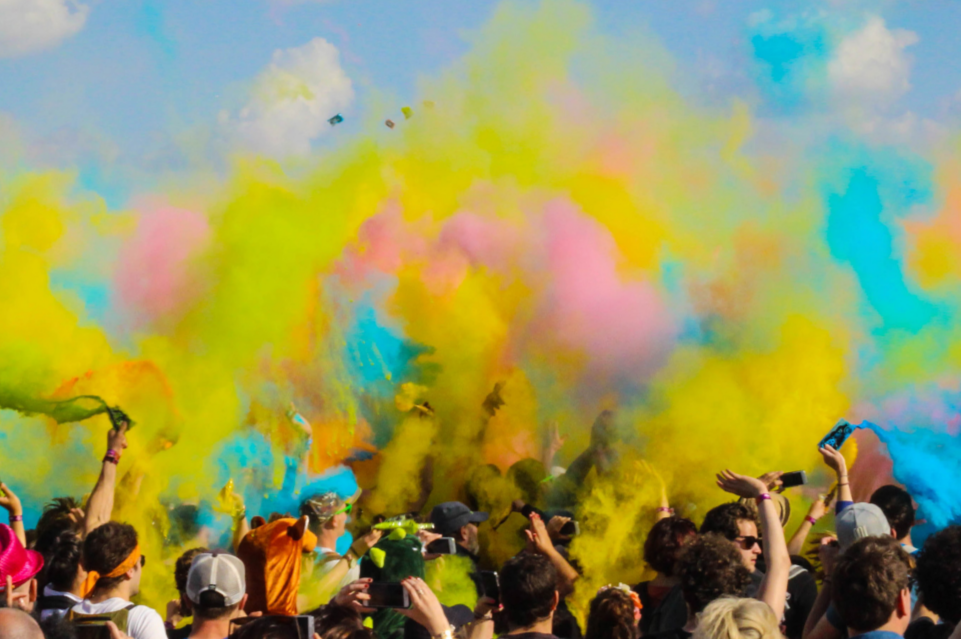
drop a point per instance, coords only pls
(100, 505)
(817, 510)
(11, 503)
(773, 588)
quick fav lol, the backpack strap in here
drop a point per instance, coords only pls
(119, 617)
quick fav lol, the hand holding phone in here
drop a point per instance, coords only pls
(837, 435)
(490, 584)
(387, 595)
(795, 478)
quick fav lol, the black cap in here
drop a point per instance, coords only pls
(451, 516)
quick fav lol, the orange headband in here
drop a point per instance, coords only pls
(93, 576)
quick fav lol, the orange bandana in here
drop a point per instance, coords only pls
(93, 576)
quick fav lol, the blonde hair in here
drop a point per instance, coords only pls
(733, 618)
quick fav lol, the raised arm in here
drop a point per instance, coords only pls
(100, 504)
(11, 503)
(817, 626)
(539, 538)
(835, 460)
(815, 512)
(773, 588)
(553, 442)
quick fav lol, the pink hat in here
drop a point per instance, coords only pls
(15, 561)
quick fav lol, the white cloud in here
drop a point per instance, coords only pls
(292, 100)
(871, 67)
(28, 26)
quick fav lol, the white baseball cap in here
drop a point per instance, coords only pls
(217, 572)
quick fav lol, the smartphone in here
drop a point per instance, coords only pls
(387, 595)
(571, 529)
(442, 546)
(304, 624)
(838, 435)
(796, 478)
(491, 585)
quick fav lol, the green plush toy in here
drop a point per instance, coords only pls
(391, 561)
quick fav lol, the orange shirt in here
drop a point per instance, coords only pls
(272, 562)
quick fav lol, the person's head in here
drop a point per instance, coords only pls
(858, 521)
(181, 569)
(709, 567)
(872, 586)
(664, 542)
(736, 523)
(340, 622)
(528, 584)
(938, 573)
(60, 515)
(21, 565)
(64, 572)
(113, 552)
(454, 519)
(737, 618)
(216, 586)
(269, 627)
(613, 615)
(16, 624)
(328, 513)
(898, 508)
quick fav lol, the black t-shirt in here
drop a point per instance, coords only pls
(180, 633)
(668, 614)
(802, 591)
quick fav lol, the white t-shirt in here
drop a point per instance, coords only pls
(142, 622)
(329, 559)
(50, 592)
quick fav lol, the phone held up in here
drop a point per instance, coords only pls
(795, 478)
(387, 595)
(838, 435)
(442, 546)
(490, 583)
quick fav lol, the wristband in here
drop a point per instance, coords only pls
(112, 456)
(15, 518)
(763, 497)
(811, 519)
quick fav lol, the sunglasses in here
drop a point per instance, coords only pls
(346, 509)
(143, 560)
(748, 542)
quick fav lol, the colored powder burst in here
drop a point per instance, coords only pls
(578, 232)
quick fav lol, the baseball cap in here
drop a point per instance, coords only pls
(858, 521)
(217, 572)
(451, 516)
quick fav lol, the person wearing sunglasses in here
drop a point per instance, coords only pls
(114, 563)
(329, 514)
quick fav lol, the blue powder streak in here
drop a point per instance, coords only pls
(928, 464)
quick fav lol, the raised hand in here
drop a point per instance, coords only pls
(772, 480)
(818, 508)
(117, 438)
(425, 608)
(9, 500)
(741, 485)
(835, 460)
(354, 594)
(538, 537)
(17, 600)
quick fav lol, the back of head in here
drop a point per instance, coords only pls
(710, 568)
(55, 520)
(722, 520)
(868, 581)
(736, 618)
(182, 567)
(897, 506)
(611, 616)
(216, 585)
(16, 624)
(938, 573)
(528, 586)
(106, 547)
(664, 542)
(62, 561)
(269, 627)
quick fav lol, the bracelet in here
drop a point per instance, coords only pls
(763, 497)
(15, 518)
(109, 458)
(664, 509)
(446, 634)
(811, 520)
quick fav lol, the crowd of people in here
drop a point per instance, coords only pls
(736, 576)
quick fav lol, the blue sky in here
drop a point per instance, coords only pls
(124, 78)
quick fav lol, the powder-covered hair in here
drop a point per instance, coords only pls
(737, 618)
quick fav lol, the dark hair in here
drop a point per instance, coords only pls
(723, 519)
(709, 568)
(938, 573)
(54, 520)
(62, 561)
(269, 627)
(664, 542)
(868, 581)
(58, 627)
(528, 584)
(341, 622)
(896, 504)
(612, 616)
(105, 548)
(212, 606)
(182, 567)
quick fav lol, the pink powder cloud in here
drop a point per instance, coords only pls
(152, 277)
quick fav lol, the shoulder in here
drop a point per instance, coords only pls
(145, 623)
